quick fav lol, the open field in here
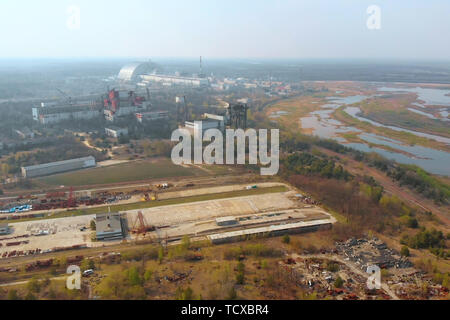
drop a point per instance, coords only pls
(61, 233)
(134, 171)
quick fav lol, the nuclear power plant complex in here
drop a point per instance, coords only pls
(118, 102)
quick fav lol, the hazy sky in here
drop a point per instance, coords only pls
(410, 29)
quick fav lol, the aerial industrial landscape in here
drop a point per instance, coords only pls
(208, 178)
(119, 198)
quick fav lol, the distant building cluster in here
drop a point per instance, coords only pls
(144, 74)
(169, 80)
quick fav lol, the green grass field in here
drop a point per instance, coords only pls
(133, 171)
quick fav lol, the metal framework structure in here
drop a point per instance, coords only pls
(182, 109)
(237, 115)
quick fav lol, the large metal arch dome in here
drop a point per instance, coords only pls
(132, 71)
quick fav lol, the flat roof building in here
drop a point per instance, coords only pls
(58, 167)
(108, 226)
(273, 230)
(46, 114)
(152, 115)
(226, 221)
(116, 132)
(175, 80)
(194, 126)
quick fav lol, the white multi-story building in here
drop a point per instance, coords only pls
(57, 113)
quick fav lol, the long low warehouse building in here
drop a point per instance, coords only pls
(274, 230)
(58, 167)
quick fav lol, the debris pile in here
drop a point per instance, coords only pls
(364, 253)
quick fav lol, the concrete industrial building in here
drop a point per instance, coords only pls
(152, 115)
(274, 230)
(117, 105)
(194, 126)
(4, 228)
(175, 80)
(221, 119)
(55, 113)
(58, 167)
(226, 221)
(116, 132)
(111, 115)
(108, 226)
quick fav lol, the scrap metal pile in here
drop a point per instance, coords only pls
(365, 252)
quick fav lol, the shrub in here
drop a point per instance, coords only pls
(404, 251)
(184, 294)
(338, 283)
(240, 278)
(12, 295)
(34, 286)
(231, 294)
(332, 266)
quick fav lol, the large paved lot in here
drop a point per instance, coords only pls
(63, 232)
(204, 210)
(173, 220)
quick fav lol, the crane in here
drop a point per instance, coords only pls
(69, 98)
(140, 224)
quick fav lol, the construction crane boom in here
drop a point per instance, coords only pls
(69, 98)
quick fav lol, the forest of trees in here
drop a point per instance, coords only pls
(306, 163)
(432, 239)
(66, 148)
(359, 198)
(409, 176)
